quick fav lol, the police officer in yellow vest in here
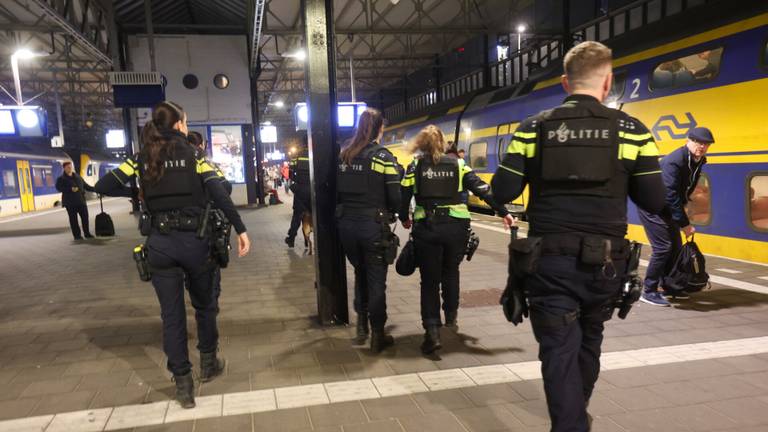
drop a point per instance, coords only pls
(581, 160)
(368, 183)
(174, 180)
(440, 226)
(300, 186)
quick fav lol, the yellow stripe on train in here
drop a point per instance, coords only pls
(731, 247)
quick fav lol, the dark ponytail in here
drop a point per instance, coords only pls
(155, 146)
(368, 128)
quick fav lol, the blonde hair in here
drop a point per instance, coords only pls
(430, 141)
(584, 60)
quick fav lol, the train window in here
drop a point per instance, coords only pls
(37, 177)
(49, 181)
(478, 155)
(699, 208)
(89, 170)
(617, 86)
(758, 201)
(501, 149)
(10, 189)
(696, 68)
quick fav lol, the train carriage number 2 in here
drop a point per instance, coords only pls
(635, 89)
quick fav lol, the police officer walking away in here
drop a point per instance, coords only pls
(441, 227)
(680, 171)
(174, 181)
(368, 182)
(578, 210)
(300, 187)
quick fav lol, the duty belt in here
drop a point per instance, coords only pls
(365, 211)
(175, 222)
(571, 245)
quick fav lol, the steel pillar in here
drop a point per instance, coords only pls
(330, 265)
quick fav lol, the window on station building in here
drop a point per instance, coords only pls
(10, 187)
(695, 68)
(758, 201)
(478, 155)
(227, 151)
(699, 208)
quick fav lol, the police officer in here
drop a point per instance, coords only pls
(199, 143)
(300, 187)
(174, 182)
(580, 160)
(368, 182)
(441, 228)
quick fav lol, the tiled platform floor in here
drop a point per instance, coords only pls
(79, 331)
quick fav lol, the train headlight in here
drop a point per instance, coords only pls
(27, 118)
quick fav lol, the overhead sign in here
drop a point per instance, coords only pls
(22, 121)
(115, 138)
(268, 134)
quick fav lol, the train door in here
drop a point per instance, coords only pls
(501, 142)
(25, 186)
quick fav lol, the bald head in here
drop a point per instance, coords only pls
(587, 69)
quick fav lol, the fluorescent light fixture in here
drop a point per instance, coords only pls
(6, 123)
(267, 123)
(27, 118)
(521, 28)
(115, 138)
(268, 134)
(25, 54)
(303, 113)
(299, 55)
(279, 104)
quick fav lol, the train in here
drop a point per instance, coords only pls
(716, 78)
(29, 169)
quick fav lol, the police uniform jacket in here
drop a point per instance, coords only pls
(299, 169)
(65, 183)
(188, 182)
(581, 160)
(439, 186)
(370, 181)
(680, 173)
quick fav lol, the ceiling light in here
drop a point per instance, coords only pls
(521, 28)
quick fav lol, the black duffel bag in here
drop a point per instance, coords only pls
(406, 262)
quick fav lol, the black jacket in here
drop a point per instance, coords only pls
(72, 190)
(680, 173)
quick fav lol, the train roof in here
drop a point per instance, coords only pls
(31, 149)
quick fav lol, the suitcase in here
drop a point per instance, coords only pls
(104, 225)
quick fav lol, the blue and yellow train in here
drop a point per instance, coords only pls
(718, 79)
(29, 169)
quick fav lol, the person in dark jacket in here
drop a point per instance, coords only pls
(680, 172)
(72, 188)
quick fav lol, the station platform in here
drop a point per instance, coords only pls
(80, 347)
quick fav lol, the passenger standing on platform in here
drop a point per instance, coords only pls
(369, 197)
(285, 172)
(300, 186)
(578, 210)
(176, 184)
(72, 188)
(440, 226)
(680, 171)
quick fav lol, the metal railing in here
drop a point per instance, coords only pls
(526, 62)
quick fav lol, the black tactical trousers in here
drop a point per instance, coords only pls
(570, 301)
(440, 247)
(359, 236)
(173, 258)
(301, 203)
(73, 212)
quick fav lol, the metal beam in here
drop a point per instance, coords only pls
(388, 31)
(258, 19)
(70, 29)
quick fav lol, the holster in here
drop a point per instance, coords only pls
(145, 224)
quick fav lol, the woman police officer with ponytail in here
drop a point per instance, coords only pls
(368, 181)
(174, 181)
(441, 227)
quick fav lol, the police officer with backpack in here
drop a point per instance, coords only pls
(300, 186)
(175, 184)
(368, 184)
(440, 226)
(580, 160)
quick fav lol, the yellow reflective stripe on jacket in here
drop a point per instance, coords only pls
(632, 151)
(409, 180)
(383, 167)
(463, 169)
(526, 149)
(204, 167)
(635, 137)
(459, 211)
(511, 170)
(127, 168)
(524, 135)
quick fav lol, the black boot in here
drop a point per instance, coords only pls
(290, 241)
(450, 320)
(210, 366)
(380, 340)
(362, 329)
(431, 340)
(185, 390)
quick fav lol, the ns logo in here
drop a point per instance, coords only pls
(673, 128)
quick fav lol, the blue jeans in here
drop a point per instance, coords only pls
(665, 244)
